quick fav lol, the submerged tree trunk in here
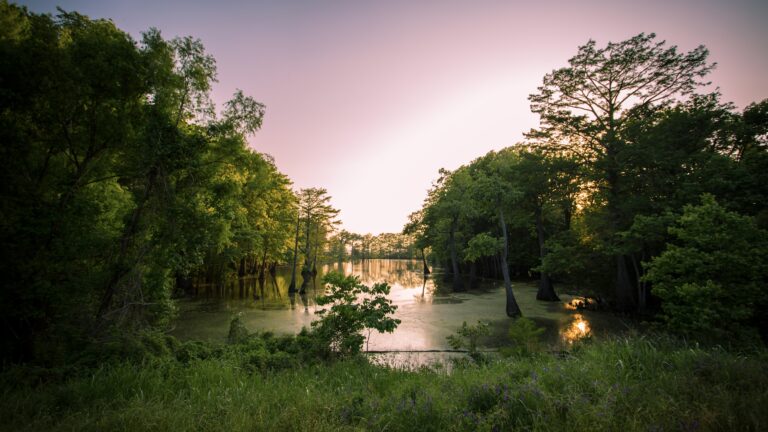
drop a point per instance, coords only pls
(472, 275)
(292, 286)
(424, 261)
(546, 290)
(314, 259)
(447, 274)
(263, 265)
(458, 284)
(308, 248)
(512, 309)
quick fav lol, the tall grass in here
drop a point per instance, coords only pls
(635, 384)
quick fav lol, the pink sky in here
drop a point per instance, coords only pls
(370, 99)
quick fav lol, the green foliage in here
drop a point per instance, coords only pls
(626, 384)
(591, 193)
(468, 337)
(525, 336)
(126, 181)
(237, 331)
(712, 279)
(354, 307)
(482, 245)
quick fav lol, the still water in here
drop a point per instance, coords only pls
(428, 309)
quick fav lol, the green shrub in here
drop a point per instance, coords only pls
(467, 336)
(237, 331)
(525, 336)
(712, 280)
(354, 308)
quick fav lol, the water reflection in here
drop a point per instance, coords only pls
(427, 307)
(578, 329)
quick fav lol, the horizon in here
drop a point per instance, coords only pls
(369, 100)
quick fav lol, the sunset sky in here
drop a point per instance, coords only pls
(370, 99)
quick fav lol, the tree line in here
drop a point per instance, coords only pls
(637, 189)
(345, 245)
(123, 185)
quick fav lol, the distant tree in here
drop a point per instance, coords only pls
(318, 216)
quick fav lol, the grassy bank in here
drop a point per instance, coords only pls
(629, 384)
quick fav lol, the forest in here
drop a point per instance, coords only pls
(125, 186)
(636, 190)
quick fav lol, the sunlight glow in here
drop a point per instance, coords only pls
(578, 329)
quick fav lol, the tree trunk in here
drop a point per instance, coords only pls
(263, 265)
(448, 271)
(241, 268)
(623, 287)
(424, 261)
(472, 275)
(184, 284)
(625, 301)
(642, 293)
(512, 309)
(546, 290)
(308, 247)
(314, 258)
(121, 268)
(292, 286)
(458, 284)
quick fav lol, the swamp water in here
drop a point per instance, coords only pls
(428, 309)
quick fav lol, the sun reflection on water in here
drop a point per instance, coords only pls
(577, 329)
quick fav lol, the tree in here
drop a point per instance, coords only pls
(72, 92)
(416, 230)
(548, 187)
(446, 210)
(318, 217)
(126, 183)
(712, 278)
(583, 107)
(502, 193)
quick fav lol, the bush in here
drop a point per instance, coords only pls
(525, 336)
(237, 331)
(467, 337)
(354, 308)
(712, 281)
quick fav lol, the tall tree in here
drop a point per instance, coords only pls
(584, 107)
(318, 214)
(125, 180)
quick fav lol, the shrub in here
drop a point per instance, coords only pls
(237, 331)
(525, 336)
(712, 281)
(354, 308)
(467, 337)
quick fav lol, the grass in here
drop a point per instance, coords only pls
(633, 384)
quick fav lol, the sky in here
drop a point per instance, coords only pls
(369, 99)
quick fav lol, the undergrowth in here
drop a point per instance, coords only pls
(267, 382)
